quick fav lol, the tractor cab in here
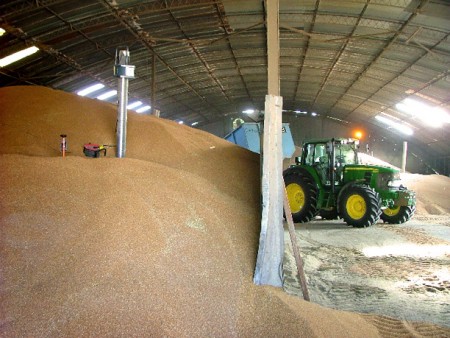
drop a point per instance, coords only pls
(330, 156)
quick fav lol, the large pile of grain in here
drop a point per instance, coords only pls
(161, 243)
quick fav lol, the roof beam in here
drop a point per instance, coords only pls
(18, 33)
(129, 23)
(339, 54)
(305, 49)
(380, 53)
(198, 54)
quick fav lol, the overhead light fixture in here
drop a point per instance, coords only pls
(194, 123)
(358, 134)
(2, 31)
(248, 111)
(314, 114)
(180, 122)
(397, 126)
(107, 95)
(90, 89)
(431, 116)
(336, 119)
(7, 60)
(135, 104)
(300, 112)
(143, 109)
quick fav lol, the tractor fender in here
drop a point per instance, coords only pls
(305, 170)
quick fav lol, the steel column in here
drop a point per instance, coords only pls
(122, 93)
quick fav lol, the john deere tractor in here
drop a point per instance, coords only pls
(329, 181)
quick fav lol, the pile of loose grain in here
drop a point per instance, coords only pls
(161, 243)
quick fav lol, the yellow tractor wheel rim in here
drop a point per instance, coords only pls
(356, 206)
(296, 197)
(392, 211)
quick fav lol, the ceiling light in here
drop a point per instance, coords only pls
(300, 112)
(194, 123)
(180, 122)
(398, 126)
(18, 56)
(336, 119)
(107, 95)
(90, 89)
(431, 116)
(248, 111)
(2, 31)
(143, 109)
(134, 104)
(313, 114)
(358, 134)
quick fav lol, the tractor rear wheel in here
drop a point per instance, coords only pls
(302, 196)
(360, 206)
(398, 214)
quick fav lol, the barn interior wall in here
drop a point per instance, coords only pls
(307, 127)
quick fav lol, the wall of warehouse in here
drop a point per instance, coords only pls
(308, 127)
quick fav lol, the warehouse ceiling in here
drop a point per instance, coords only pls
(354, 61)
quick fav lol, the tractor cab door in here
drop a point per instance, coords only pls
(318, 157)
(344, 154)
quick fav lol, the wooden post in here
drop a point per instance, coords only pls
(269, 263)
(295, 249)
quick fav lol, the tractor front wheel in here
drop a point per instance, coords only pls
(360, 206)
(302, 196)
(398, 214)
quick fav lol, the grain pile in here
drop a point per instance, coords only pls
(433, 192)
(161, 243)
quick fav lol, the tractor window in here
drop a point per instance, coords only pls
(316, 153)
(309, 159)
(320, 154)
(345, 154)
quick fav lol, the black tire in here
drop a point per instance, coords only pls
(302, 195)
(360, 206)
(329, 213)
(398, 215)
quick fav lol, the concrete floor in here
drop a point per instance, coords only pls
(401, 271)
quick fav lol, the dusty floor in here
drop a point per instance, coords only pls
(386, 269)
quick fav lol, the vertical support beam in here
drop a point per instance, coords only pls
(405, 152)
(273, 47)
(153, 93)
(269, 263)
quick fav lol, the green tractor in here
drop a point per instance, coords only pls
(329, 181)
